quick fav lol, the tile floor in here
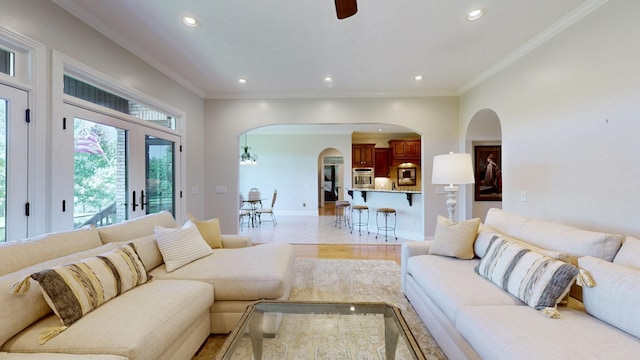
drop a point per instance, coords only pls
(313, 230)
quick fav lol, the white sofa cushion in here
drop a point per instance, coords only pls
(136, 228)
(257, 272)
(181, 246)
(485, 235)
(615, 298)
(139, 324)
(15, 255)
(554, 236)
(18, 312)
(519, 332)
(452, 283)
(538, 280)
(454, 239)
(629, 253)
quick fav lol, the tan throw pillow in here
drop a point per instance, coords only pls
(455, 239)
(209, 229)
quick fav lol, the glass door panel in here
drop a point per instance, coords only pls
(100, 174)
(160, 173)
(13, 164)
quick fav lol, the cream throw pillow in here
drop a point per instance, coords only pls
(209, 229)
(180, 246)
(455, 239)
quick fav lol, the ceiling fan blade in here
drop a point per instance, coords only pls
(346, 8)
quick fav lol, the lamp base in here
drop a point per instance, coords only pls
(451, 191)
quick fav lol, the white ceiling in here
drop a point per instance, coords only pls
(286, 48)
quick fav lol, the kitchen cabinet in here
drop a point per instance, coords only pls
(382, 162)
(363, 155)
(405, 150)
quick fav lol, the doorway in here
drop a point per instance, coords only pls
(331, 171)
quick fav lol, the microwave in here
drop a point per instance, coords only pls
(363, 178)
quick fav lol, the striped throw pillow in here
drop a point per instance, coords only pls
(538, 280)
(73, 290)
(180, 246)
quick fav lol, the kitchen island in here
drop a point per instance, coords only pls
(409, 205)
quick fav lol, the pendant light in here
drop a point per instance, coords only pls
(246, 158)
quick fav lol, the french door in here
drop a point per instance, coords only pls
(121, 169)
(14, 145)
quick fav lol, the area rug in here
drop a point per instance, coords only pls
(349, 281)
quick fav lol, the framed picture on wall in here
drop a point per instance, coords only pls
(406, 176)
(488, 173)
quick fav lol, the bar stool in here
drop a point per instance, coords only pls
(361, 222)
(342, 213)
(386, 212)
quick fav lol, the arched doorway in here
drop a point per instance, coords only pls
(331, 177)
(484, 136)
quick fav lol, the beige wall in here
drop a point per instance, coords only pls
(570, 115)
(434, 118)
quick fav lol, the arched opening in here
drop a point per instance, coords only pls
(331, 178)
(483, 141)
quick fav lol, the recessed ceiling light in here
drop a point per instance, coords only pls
(190, 21)
(418, 78)
(242, 81)
(328, 79)
(475, 14)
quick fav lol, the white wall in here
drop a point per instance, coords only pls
(436, 119)
(50, 25)
(570, 115)
(289, 163)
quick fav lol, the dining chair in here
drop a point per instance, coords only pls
(268, 211)
(245, 213)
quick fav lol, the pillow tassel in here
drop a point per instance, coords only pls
(584, 279)
(50, 333)
(21, 287)
(550, 312)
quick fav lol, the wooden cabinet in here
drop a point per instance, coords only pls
(363, 155)
(383, 162)
(405, 150)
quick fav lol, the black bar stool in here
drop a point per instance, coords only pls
(361, 222)
(386, 212)
(342, 213)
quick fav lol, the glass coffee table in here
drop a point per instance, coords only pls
(320, 330)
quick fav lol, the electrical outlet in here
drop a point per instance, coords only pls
(304, 204)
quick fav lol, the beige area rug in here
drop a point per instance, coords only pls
(348, 281)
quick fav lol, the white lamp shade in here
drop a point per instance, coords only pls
(452, 169)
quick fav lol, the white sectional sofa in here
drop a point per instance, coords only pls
(472, 318)
(167, 317)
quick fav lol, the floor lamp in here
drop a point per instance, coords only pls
(452, 170)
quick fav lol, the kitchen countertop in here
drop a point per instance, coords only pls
(364, 192)
(388, 190)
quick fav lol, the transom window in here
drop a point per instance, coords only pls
(88, 92)
(7, 62)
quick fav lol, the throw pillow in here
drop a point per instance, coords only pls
(454, 239)
(538, 280)
(180, 246)
(73, 290)
(209, 229)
